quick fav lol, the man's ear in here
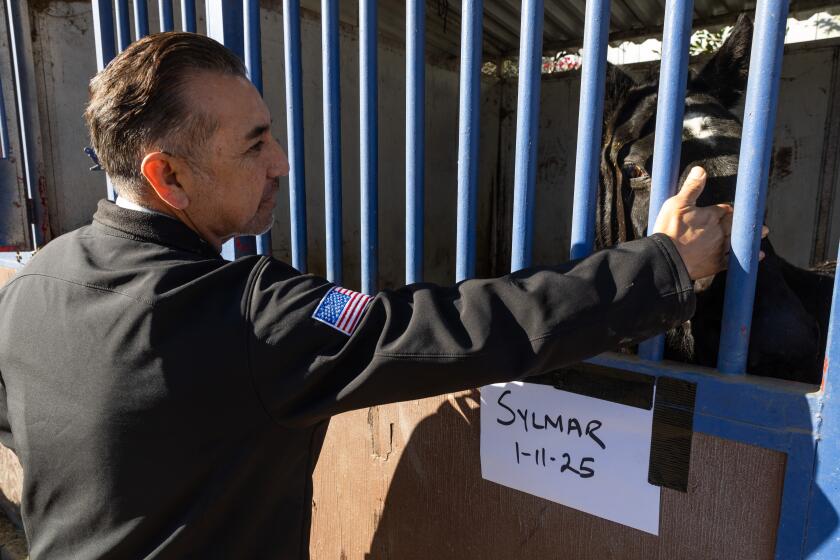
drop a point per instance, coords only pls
(725, 75)
(159, 169)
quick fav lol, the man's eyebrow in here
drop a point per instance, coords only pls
(257, 131)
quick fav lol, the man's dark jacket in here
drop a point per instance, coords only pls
(165, 403)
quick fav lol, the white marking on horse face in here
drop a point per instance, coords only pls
(696, 126)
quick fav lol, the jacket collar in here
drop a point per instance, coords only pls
(155, 228)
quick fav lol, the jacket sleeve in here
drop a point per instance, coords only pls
(423, 340)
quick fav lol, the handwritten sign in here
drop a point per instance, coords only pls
(585, 453)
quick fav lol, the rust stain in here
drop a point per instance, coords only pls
(45, 216)
(825, 371)
(780, 166)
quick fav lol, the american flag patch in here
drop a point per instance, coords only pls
(342, 309)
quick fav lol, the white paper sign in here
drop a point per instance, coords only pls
(585, 453)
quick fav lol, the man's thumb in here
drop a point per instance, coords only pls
(693, 186)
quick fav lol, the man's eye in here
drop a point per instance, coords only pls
(633, 171)
(256, 147)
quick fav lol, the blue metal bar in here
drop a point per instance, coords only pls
(253, 63)
(332, 137)
(415, 138)
(369, 144)
(123, 25)
(5, 147)
(188, 16)
(822, 518)
(593, 78)
(25, 98)
(294, 118)
(225, 23)
(103, 33)
(670, 109)
(141, 19)
(167, 21)
(468, 136)
(751, 186)
(527, 129)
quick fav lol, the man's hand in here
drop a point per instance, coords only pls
(701, 234)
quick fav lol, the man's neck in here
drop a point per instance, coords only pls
(129, 204)
(162, 210)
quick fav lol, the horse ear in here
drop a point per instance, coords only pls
(617, 86)
(725, 75)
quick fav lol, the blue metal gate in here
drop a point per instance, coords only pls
(732, 405)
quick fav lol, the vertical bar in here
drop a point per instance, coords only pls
(141, 19)
(587, 162)
(103, 33)
(468, 136)
(332, 137)
(670, 109)
(24, 98)
(167, 21)
(253, 63)
(5, 148)
(825, 490)
(188, 16)
(225, 23)
(369, 144)
(527, 128)
(123, 25)
(294, 118)
(415, 138)
(751, 186)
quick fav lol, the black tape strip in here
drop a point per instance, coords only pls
(614, 385)
(673, 426)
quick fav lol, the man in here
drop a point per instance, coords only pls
(165, 403)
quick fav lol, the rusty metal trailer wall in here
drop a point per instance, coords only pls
(401, 481)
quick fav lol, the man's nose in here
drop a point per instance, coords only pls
(280, 163)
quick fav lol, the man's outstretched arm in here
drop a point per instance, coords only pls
(423, 339)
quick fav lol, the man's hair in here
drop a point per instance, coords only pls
(137, 103)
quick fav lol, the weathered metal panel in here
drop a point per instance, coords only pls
(13, 222)
(15, 233)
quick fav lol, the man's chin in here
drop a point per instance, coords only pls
(259, 226)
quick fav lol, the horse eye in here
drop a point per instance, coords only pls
(633, 171)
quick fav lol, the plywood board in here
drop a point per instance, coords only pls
(403, 482)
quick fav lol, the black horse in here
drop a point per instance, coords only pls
(791, 312)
